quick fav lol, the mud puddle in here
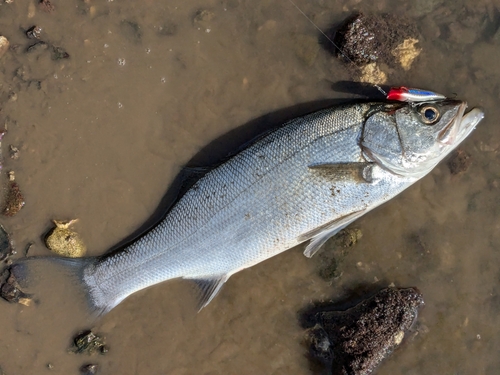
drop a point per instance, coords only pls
(102, 134)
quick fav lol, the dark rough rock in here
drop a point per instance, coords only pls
(364, 39)
(14, 199)
(357, 340)
(11, 291)
(88, 342)
(34, 32)
(459, 162)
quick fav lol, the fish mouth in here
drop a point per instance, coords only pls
(460, 127)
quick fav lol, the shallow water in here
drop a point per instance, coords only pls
(105, 132)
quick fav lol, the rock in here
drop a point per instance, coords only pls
(34, 32)
(14, 152)
(357, 340)
(4, 45)
(459, 161)
(89, 369)
(357, 40)
(11, 291)
(14, 199)
(65, 242)
(88, 342)
(369, 41)
(348, 237)
(406, 52)
(371, 73)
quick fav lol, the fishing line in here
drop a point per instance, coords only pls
(333, 43)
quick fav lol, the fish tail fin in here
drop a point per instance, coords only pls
(49, 280)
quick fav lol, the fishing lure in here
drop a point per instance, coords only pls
(405, 94)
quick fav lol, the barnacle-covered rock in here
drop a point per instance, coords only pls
(14, 199)
(357, 340)
(12, 292)
(88, 342)
(64, 241)
(376, 44)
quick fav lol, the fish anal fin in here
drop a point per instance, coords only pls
(322, 234)
(208, 288)
(358, 171)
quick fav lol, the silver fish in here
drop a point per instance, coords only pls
(304, 181)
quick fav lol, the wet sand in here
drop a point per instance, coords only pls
(103, 134)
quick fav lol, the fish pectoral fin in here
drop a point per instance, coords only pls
(358, 171)
(322, 234)
(208, 289)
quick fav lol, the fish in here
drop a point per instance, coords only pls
(301, 182)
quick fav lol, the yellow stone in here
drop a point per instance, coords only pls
(65, 242)
(371, 73)
(4, 45)
(406, 52)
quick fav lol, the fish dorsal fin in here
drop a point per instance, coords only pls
(358, 171)
(320, 235)
(208, 288)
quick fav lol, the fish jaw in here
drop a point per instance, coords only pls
(457, 133)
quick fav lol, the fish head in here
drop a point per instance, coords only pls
(411, 139)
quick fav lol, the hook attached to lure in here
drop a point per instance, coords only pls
(405, 94)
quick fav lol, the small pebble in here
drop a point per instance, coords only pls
(11, 292)
(4, 45)
(89, 369)
(88, 342)
(34, 32)
(14, 199)
(14, 152)
(459, 162)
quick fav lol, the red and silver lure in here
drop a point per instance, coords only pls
(405, 94)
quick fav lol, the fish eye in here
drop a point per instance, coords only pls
(429, 114)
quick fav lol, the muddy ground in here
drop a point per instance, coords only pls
(102, 134)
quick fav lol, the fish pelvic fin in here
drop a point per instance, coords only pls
(208, 287)
(322, 234)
